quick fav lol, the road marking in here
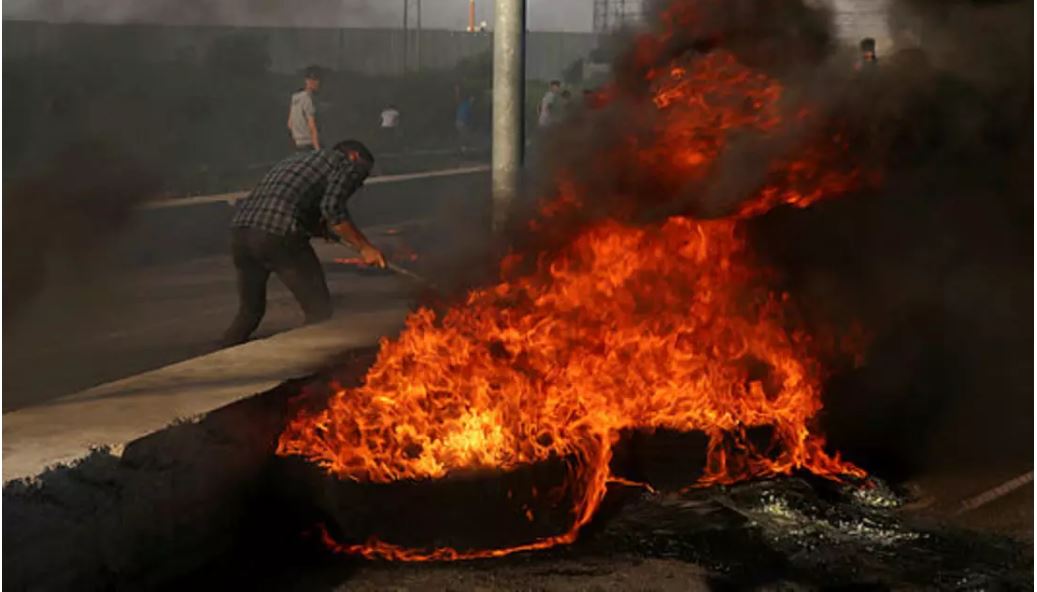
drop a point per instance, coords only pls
(230, 198)
(382, 156)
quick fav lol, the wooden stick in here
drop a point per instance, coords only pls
(998, 492)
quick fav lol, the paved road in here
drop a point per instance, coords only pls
(164, 290)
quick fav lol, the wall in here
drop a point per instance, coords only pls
(857, 19)
(369, 51)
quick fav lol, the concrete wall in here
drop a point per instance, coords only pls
(857, 19)
(370, 51)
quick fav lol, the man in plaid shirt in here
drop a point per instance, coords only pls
(302, 197)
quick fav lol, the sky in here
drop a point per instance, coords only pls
(544, 15)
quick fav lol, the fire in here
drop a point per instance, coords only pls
(626, 327)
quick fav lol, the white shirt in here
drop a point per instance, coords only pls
(390, 118)
(299, 114)
(548, 104)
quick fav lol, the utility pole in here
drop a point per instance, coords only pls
(417, 41)
(406, 34)
(509, 89)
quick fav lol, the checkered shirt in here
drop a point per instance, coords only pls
(303, 194)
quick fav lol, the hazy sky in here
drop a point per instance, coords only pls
(550, 15)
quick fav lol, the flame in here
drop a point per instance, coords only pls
(626, 327)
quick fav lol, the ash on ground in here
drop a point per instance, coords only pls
(817, 533)
(798, 533)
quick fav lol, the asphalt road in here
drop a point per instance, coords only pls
(163, 290)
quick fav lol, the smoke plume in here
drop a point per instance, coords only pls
(68, 207)
(929, 252)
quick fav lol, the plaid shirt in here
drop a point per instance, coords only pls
(303, 194)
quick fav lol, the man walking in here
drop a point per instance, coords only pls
(547, 109)
(390, 126)
(302, 197)
(302, 113)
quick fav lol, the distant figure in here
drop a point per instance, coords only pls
(463, 120)
(868, 59)
(547, 110)
(302, 114)
(390, 125)
(302, 197)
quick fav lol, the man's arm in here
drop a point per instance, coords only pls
(309, 111)
(311, 121)
(348, 232)
(333, 209)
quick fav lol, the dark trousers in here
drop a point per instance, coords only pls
(258, 253)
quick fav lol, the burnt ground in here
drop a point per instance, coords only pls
(787, 533)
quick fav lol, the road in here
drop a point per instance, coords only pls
(163, 291)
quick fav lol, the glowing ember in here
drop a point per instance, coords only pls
(357, 261)
(627, 327)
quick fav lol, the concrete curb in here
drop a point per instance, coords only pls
(129, 484)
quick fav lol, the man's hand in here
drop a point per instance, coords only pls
(349, 233)
(372, 256)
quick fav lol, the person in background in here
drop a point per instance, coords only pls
(869, 59)
(302, 113)
(302, 197)
(390, 125)
(548, 107)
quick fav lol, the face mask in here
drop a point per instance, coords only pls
(358, 173)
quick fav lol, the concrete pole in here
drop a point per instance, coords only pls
(509, 89)
(417, 41)
(406, 34)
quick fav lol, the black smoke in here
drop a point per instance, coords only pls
(67, 208)
(932, 256)
(936, 261)
(603, 148)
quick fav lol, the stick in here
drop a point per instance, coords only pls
(990, 495)
(388, 264)
(406, 272)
